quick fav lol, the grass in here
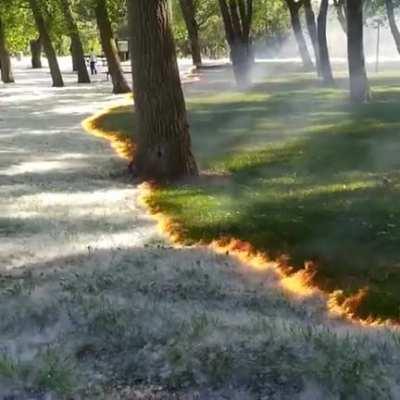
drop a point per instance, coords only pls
(310, 176)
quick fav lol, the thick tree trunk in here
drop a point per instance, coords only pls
(74, 57)
(163, 141)
(326, 69)
(78, 56)
(189, 14)
(392, 23)
(298, 33)
(5, 61)
(48, 46)
(120, 85)
(312, 30)
(242, 61)
(36, 53)
(237, 18)
(359, 88)
(340, 6)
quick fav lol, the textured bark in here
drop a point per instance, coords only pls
(325, 63)
(340, 6)
(120, 85)
(5, 61)
(237, 17)
(294, 8)
(163, 140)
(189, 14)
(392, 23)
(312, 31)
(78, 56)
(36, 53)
(48, 46)
(359, 88)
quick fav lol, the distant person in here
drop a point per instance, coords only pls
(93, 62)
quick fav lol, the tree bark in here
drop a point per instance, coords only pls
(392, 23)
(312, 30)
(5, 61)
(48, 46)
(298, 33)
(326, 69)
(359, 88)
(237, 18)
(36, 52)
(340, 6)
(189, 15)
(78, 56)
(120, 85)
(163, 141)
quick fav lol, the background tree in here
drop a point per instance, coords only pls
(5, 62)
(47, 44)
(312, 31)
(163, 144)
(325, 63)
(294, 10)
(76, 44)
(189, 13)
(120, 85)
(36, 52)
(392, 23)
(237, 17)
(340, 7)
(359, 88)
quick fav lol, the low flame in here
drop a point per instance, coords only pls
(123, 146)
(299, 283)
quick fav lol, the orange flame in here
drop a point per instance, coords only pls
(299, 283)
(123, 146)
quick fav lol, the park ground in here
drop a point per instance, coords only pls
(96, 304)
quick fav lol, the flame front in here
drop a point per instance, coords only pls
(299, 284)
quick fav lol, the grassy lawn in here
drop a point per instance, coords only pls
(309, 176)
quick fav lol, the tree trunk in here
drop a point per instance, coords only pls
(392, 23)
(359, 88)
(78, 56)
(163, 141)
(5, 61)
(312, 30)
(74, 57)
(36, 52)
(298, 33)
(237, 18)
(189, 14)
(340, 6)
(48, 46)
(120, 85)
(326, 69)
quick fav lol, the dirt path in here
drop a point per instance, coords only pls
(63, 192)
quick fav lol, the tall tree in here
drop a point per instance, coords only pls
(312, 30)
(120, 85)
(36, 52)
(392, 23)
(163, 144)
(325, 63)
(76, 44)
(294, 10)
(340, 6)
(47, 44)
(359, 87)
(5, 61)
(237, 17)
(189, 15)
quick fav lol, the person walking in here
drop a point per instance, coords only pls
(93, 62)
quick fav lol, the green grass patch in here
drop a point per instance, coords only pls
(311, 176)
